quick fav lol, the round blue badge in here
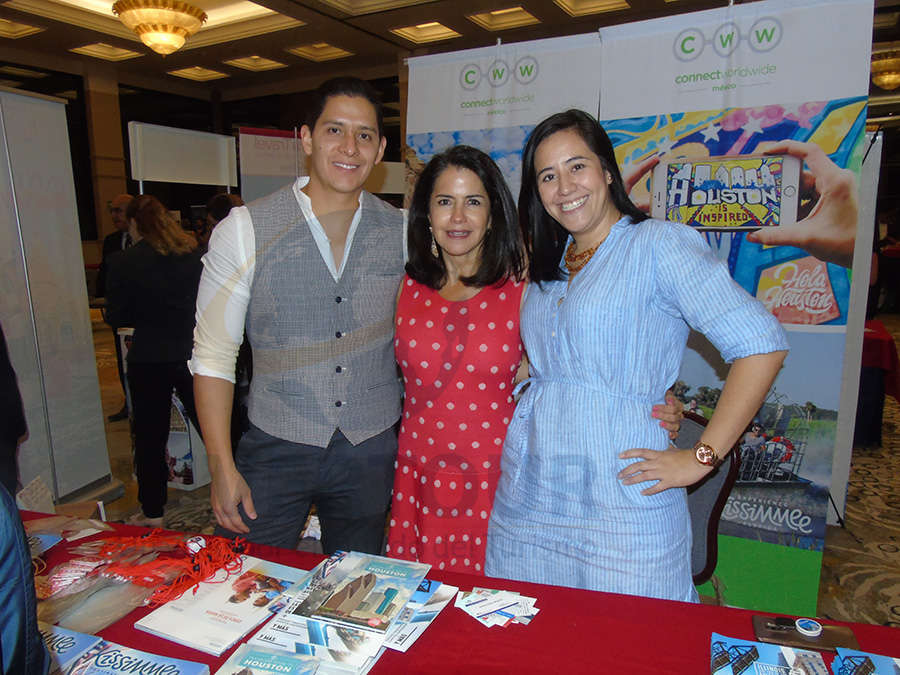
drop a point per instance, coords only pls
(808, 627)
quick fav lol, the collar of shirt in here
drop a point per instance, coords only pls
(318, 232)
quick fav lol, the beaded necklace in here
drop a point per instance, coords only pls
(576, 261)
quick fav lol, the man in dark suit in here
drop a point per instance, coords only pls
(113, 244)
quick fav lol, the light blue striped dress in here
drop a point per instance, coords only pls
(602, 352)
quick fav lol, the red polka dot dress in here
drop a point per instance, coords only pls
(458, 361)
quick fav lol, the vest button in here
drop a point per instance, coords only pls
(338, 334)
(338, 299)
(339, 369)
(338, 404)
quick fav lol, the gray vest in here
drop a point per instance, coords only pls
(323, 351)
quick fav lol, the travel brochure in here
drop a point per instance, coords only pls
(418, 616)
(214, 615)
(248, 660)
(63, 645)
(101, 657)
(731, 656)
(853, 662)
(362, 591)
(315, 622)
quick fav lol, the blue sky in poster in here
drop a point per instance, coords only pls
(809, 350)
(503, 144)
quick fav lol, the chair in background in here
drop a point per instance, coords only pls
(706, 500)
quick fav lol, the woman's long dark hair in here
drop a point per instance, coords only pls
(502, 255)
(545, 238)
(158, 228)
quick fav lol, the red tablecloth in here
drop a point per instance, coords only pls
(575, 632)
(880, 351)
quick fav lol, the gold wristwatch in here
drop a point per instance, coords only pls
(706, 454)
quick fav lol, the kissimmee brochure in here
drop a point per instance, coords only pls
(64, 645)
(224, 609)
(363, 591)
(108, 658)
(730, 656)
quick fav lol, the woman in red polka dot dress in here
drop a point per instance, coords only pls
(457, 343)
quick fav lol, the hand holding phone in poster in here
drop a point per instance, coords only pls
(828, 230)
(729, 193)
(634, 176)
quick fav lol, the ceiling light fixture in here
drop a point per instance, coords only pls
(162, 25)
(14, 30)
(320, 51)
(586, 7)
(886, 69)
(101, 50)
(255, 63)
(425, 32)
(198, 74)
(504, 19)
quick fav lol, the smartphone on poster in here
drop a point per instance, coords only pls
(735, 193)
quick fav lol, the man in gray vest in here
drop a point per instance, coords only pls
(313, 271)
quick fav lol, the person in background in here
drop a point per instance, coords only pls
(153, 287)
(218, 207)
(605, 320)
(113, 244)
(13, 429)
(22, 650)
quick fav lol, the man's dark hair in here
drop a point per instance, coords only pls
(344, 86)
(219, 205)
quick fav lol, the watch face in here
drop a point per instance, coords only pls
(706, 455)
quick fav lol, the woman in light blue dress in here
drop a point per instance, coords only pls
(589, 494)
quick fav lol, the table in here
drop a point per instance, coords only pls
(576, 631)
(880, 351)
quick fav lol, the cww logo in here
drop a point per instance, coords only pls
(525, 71)
(764, 35)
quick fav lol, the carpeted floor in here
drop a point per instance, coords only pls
(861, 566)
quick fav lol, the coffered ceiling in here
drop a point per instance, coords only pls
(251, 49)
(297, 43)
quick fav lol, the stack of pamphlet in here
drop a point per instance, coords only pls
(497, 608)
(214, 615)
(730, 656)
(74, 653)
(248, 660)
(352, 607)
